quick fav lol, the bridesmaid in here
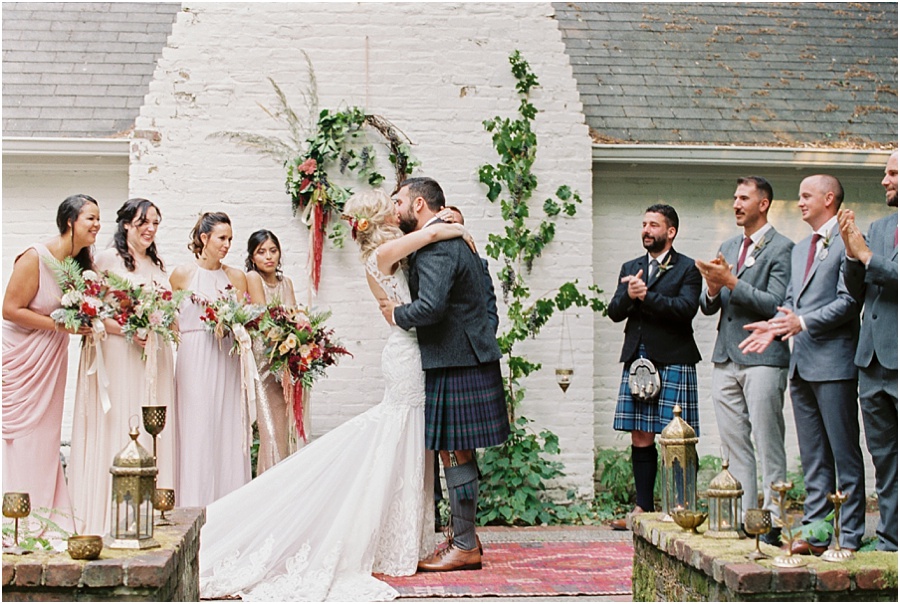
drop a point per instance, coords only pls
(35, 354)
(268, 285)
(97, 436)
(210, 433)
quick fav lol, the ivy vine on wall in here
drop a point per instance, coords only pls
(516, 473)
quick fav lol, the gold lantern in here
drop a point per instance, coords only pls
(680, 464)
(133, 484)
(724, 498)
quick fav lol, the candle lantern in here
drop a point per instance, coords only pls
(133, 484)
(680, 464)
(724, 498)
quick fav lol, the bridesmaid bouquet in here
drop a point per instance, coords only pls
(82, 296)
(228, 315)
(297, 343)
(142, 310)
(298, 348)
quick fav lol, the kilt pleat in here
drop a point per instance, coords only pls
(678, 386)
(465, 408)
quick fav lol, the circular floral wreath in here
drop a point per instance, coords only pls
(316, 194)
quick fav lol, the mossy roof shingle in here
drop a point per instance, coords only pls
(725, 74)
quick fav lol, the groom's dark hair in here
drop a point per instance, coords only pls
(426, 188)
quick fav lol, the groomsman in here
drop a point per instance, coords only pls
(870, 269)
(823, 318)
(658, 293)
(746, 282)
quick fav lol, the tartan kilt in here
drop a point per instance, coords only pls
(465, 408)
(678, 386)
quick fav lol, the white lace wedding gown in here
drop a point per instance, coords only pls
(355, 501)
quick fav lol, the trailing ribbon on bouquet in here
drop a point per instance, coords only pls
(249, 381)
(98, 334)
(297, 399)
(151, 367)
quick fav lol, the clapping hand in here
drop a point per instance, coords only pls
(788, 325)
(760, 338)
(637, 288)
(717, 273)
(853, 237)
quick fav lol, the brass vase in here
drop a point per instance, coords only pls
(16, 505)
(757, 522)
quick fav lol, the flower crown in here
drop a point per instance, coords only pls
(358, 224)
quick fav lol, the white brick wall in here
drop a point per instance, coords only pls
(437, 84)
(32, 190)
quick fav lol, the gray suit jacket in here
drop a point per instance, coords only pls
(759, 290)
(824, 352)
(450, 307)
(878, 283)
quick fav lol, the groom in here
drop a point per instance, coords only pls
(465, 406)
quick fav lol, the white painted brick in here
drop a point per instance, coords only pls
(212, 77)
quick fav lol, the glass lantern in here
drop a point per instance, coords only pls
(724, 498)
(133, 484)
(680, 464)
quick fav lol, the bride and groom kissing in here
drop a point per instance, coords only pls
(358, 500)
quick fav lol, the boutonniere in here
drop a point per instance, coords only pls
(755, 252)
(665, 265)
(829, 237)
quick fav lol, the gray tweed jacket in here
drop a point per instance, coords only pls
(449, 307)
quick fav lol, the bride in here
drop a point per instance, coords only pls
(357, 500)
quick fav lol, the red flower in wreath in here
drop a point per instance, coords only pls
(308, 167)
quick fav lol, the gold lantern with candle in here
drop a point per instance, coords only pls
(133, 484)
(680, 465)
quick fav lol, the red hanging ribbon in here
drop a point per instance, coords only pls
(320, 221)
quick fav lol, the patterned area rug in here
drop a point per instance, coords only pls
(531, 569)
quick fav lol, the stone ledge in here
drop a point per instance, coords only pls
(170, 572)
(676, 565)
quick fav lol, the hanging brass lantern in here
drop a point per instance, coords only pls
(566, 362)
(564, 378)
(133, 484)
(724, 498)
(680, 465)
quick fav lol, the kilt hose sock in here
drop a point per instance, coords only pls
(462, 485)
(643, 464)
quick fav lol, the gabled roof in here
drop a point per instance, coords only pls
(759, 74)
(727, 74)
(79, 69)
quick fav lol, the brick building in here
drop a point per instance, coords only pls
(638, 104)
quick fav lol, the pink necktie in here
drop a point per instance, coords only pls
(744, 248)
(812, 254)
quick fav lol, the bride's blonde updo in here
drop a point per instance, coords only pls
(368, 212)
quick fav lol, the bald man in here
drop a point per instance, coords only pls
(822, 317)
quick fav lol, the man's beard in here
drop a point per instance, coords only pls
(658, 245)
(892, 199)
(408, 223)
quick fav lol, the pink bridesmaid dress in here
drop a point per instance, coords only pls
(34, 385)
(210, 433)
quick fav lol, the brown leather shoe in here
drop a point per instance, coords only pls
(450, 559)
(805, 548)
(619, 524)
(624, 524)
